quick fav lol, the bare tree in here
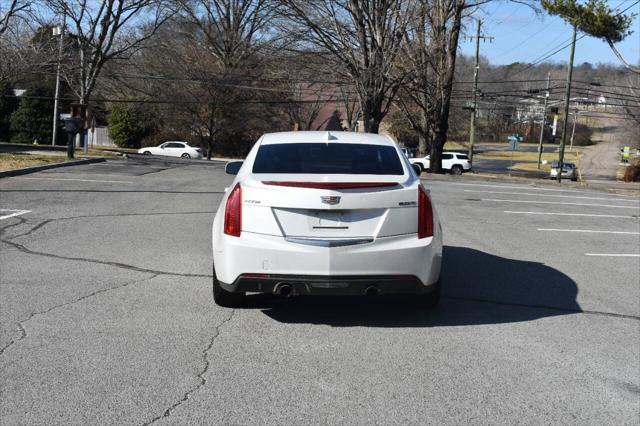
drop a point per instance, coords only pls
(106, 30)
(229, 34)
(364, 37)
(431, 48)
(15, 9)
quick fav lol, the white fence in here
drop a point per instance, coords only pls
(98, 137)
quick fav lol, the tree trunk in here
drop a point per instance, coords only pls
(435, 162)
(209, 146)
(373, 126)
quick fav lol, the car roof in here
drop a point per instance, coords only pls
(325, 137)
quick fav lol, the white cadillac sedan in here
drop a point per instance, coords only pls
(173, 149)
(319, 213)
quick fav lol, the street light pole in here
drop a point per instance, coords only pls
(544, 118)
(57, 94)
(567, 95)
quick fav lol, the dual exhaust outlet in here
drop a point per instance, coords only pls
(286, 290)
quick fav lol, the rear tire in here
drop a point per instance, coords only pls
(225, 298)
(185, 156)
(146, 153)
(456, 170)
(429, 300)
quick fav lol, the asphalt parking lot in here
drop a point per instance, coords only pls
(107, 318)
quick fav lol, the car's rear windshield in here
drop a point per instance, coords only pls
(328, 158)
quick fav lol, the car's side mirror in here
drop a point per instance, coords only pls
(417, 169)
(233, 167)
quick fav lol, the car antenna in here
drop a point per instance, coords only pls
(329, 137)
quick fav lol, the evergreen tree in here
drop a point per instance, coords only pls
(8, 104)
(32, 120)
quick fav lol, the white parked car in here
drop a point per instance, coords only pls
(173, 149)
(453, 162)
(314, 213)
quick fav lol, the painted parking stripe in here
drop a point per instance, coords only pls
(14, 214)
(553, 195)
(588, 231)
(527, 187)
(613, 254)
(75, 180)
(559, 203)
(572, 214)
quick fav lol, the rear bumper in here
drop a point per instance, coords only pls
(330, 285)
(397, 256)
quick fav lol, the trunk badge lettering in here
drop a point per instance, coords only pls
(330, 199)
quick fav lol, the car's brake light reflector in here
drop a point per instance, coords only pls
(425, 214)
(233, 212)
(330, 185)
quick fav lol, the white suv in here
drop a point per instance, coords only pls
(453, 162)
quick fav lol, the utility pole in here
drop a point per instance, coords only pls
(57, 95)
(573, 132)
(472, 126)
(544, 118)
(567, 96)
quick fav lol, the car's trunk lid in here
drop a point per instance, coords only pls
(335, 207)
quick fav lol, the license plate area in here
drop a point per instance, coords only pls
(333, 219)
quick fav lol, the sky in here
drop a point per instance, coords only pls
(522, 36)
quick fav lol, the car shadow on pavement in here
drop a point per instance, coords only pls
(478, 288)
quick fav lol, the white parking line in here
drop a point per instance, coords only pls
(553, 195)
(612, 255)
(559, 203)
(572, 214)
(588, 231)
(15, 213)
(75, 180)
(527, 187)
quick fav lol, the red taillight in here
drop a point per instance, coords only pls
(233, 213)
(425, 214)
(330, 185)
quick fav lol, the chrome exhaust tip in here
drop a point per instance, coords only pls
(283, 289)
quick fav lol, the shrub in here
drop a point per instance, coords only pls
(129, 123)
(632, 173)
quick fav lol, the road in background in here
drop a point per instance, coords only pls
(107, 317)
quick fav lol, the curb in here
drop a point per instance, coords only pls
(34, 169)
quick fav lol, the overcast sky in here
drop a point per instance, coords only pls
(522, 36)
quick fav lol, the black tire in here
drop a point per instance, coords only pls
(429, 300)
(146, 153)
(185, 156)
(225, 298)
(456, 170)
(417, 168)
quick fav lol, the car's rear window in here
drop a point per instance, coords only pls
(328, 158)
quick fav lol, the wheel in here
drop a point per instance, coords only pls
(185, 156)
(225, 298)
(456, 170)
(429, 300)
(146, 153)
(417, 168)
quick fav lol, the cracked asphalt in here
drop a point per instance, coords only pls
(106, 312)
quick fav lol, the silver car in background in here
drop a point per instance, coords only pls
(569, 171)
